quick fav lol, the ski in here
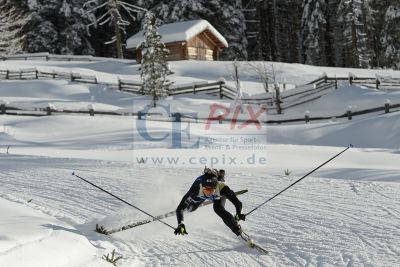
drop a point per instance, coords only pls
(103, 230)
(250, 243)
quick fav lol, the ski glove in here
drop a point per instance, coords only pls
(180, 230)
(240, 216)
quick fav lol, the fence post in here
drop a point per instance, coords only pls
(220, 119)
(377, 83)
(278, 100)
(91, 109)
(48, 110)
(220, 90)
(177, 117)
(36, 74)
(119, 84)
(350, 79)
(336, 84)
(349, 114)
(7, 74)
(307, 116)
(139, 115)
(3, 108)
(387, 105)
(194, 88)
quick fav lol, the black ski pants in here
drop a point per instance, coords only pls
(229, 220)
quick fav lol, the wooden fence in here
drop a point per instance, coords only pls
(321, 86)
(178, 117)
(50, 57)
(218, 88)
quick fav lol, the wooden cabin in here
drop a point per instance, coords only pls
(194, 39)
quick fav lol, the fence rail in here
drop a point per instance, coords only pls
(50, 57)
(218, 88)
(39, 112)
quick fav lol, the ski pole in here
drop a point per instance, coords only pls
(98, 187)
(299, 180)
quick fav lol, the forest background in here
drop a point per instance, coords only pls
(339, 33)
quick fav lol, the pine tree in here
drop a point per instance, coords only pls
(154, 69)
(330, 33)
(42, 35)
(252, 27)
(278, 32)
(57, 27)
(72, 29)
(351, 20)
(376, 21)
(314, 28)
(267, 46)
(293, 28)
(233, 18)
(14, 20)
(391, 36)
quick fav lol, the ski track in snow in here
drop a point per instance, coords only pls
(319, 222)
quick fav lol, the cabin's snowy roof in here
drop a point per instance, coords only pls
(179, 31)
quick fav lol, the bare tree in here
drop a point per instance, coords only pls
(235, 77)
(267, 76)
(112, 15)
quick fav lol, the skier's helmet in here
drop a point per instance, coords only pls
(209, 181)
(209, 184)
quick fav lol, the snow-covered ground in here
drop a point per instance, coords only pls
(186, 72)
(345, 214)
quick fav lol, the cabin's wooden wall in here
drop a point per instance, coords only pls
(200, 47)
(176, 51)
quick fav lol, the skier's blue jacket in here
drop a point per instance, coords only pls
(195, 196)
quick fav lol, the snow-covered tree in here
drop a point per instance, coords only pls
(352, 30)
(72, 29)
(154, 69)
(267, 47)
(314, 23)
(233, 18)
(13, 22)
(278, 32)
(111, 14)
(391, 36)
(58, 27)
(376, 22)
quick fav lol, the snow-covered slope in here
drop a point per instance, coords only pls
(322, 221)
(31, 238)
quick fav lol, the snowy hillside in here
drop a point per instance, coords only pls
(345, 214)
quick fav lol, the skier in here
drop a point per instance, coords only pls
(208, 187)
